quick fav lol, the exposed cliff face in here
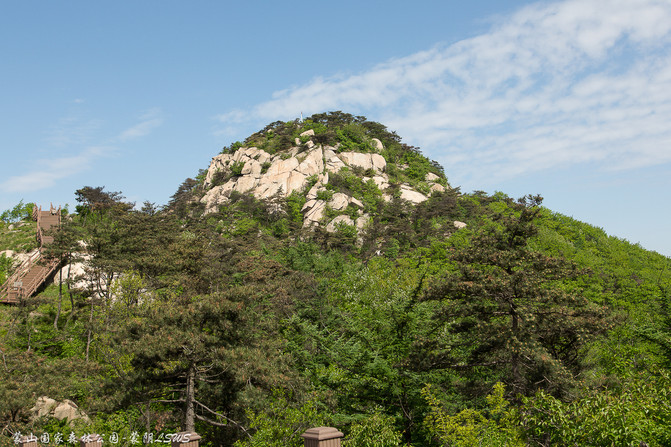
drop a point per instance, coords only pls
(305, 168)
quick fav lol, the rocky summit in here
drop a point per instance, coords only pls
(307, 167)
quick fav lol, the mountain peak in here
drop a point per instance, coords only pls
(341, 164)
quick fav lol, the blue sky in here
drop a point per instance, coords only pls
(568, 99)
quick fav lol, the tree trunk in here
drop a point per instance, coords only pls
(189, 410)
(515, 357)
(70, 294)
(60, 297)
(89, 333)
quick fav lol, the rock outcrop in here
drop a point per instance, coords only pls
(304, 168)
(256, 171)
(47, 407)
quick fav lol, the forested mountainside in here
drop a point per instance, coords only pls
(324, 273)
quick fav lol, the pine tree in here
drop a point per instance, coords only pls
(512, 313)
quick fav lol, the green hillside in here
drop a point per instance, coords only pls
(461, 320)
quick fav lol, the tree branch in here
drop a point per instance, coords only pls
(203, 418)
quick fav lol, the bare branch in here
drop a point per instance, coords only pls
(221, 416)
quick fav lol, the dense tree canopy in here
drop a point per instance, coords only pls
(514, 311)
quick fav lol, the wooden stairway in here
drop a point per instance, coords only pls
(32, 273)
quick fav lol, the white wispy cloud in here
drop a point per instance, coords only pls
(148, 122)
(577, 81)
(47, 172)
(85, 134)
(72, 131)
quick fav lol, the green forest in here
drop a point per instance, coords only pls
(523, 327)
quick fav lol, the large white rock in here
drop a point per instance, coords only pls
(339, 201)
(378, 161)
(313, 164)
(364, 161)
(312, 193)
(252, 167)
(437, 187)
(411, 195)
(378, 144)
(68, 410)
(245, 183)
(357, 159)
(77, 274)
(270, 185)
(314, 214)
(381, 181)
(268, 190)
(263, 156)
(459, 225)
(308, 133)
(431, 177)
(216, 196)
(219, 163)
(295, 182)
(278, 177)
(286, 174)
(43, 407)
(282, 166)
(362, 222)
(47, 407)
(333, 163)
(7, 253)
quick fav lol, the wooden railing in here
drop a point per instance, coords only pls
(31, 274)
(12, 288)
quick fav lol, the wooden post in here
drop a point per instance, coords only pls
(322, 437)
(28, 441)
(185, 439)
(93, 440)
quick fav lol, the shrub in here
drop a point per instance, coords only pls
(295, 203)
(243, 225)
(346, 232)
(281, 422)
(324, 195)
(498, 424)
(376, 430)
(280, 228)
(220, 177)
(371, 196)
(353, 137)
(311, 181)
(5, 267)
(347, 182)
(352, 211)
(236, 168)
(232, 148)
(640, 412)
